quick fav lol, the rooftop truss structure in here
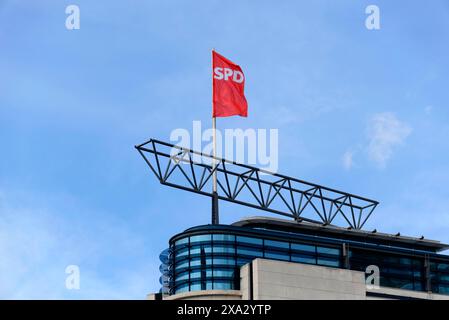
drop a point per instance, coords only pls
(246, 185)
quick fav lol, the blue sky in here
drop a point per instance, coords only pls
(359, 110)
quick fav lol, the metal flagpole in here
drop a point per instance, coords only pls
(215, 219)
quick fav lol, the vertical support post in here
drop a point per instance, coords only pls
(427, 278)
(215, 218)
(345, 255)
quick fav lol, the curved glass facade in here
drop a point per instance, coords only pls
(212, 261)
(209, 257)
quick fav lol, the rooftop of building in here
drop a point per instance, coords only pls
(339, 232)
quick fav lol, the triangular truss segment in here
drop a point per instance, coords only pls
(190, 170)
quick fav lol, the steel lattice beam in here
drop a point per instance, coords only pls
(192, 171)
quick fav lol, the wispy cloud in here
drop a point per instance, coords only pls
(385, 132)
(347, 160)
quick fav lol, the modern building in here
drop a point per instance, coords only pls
(307, 257)
(270, 258)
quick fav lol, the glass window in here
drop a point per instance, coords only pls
(184, 264)
(195, 286)
(223, 237)
(182, 276)
(276, 244)
(225, 261)
(417, 274)
(328, 262)
(182, 288)
(224, 249)
(444, 277)
(444, 289)
(255, 241)
(195, 275)
(250, 252)
(182, 253)
(302, 258)
(205, 237)
(277, 255)
(326, 250)
(224, 273)
(182, 241)
(398, 271)
(399, 283)
(197, 262)
(197, 249)
(391, 260)
(243, 261)
(418, 286)
(433, 266)
(223, 285)
(405, 261)
(303, 247)
(417, 263)
(443, 267)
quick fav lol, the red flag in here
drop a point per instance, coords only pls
(227, 88)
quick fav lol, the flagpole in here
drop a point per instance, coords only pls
(215, 219)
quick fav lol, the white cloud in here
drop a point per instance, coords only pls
(385, 132)
(347, 160)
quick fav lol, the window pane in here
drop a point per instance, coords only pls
(184, 264)
(398, 271)
(243, 261)
(182, 276)
(225, 261)
(222, 285)
(443, 267)
(250, 252)
(418, 286)
(277, 255)
(195, 275)
(224, 273)
(197, 249)
(444, 277)
(303, 247)
(197, 262)
(195, 286)
(303, 258)
(224, 249)
(443, 289)
(182, 241)
(182, 253)
(326, 250)
(249, 240)
(391, 260)
(418, 263)
(183, 288)
(205, 237)
(223, 237)
(277, 244)
(328, 262)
